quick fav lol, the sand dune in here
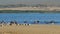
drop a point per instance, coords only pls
(32, 29)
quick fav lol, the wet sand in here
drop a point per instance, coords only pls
(31, 29)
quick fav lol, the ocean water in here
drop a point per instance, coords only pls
(30, 17)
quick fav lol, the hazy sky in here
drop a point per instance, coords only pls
(57, 2)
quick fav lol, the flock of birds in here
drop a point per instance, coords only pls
(25, 22)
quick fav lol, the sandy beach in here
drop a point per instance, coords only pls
(33, 8)
(31, 29)
(22, 8)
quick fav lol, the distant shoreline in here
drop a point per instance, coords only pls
(27, 11)
(22, 8)
(34, 8)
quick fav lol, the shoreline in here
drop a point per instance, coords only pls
(34, 8)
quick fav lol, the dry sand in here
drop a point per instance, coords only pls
(32, 29)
